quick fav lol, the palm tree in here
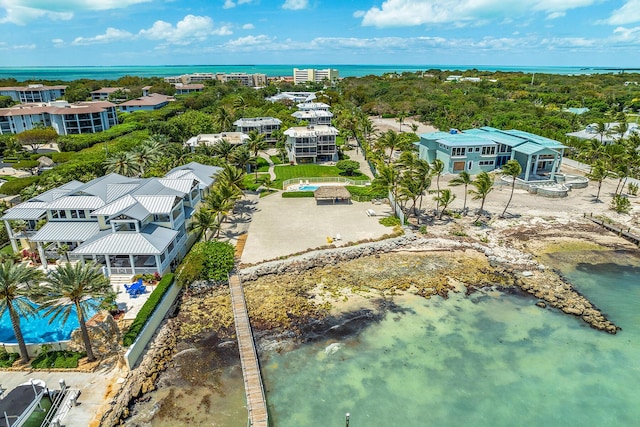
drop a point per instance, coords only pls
(122, 163)
(220, 202)
(437, 168)
(202, 221)
(224, 150)
(513, 169)
(223, 119)
(243, 158)
(400, 119)
(80, 286)
(445, 197)
(144, 156)
(463, 178)
(14, 282)
(231, 176)
(390, 140)
(256, 143)
(598, 173)
(483, 185)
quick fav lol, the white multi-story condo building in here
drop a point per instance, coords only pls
(250, 80)
(65, 118)
(312, 144)
(263, 125)
(128, 225)
(304, 75)
(34, 93)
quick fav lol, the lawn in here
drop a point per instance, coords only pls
(309, 171)
(263, 165)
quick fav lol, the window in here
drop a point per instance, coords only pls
(488, 151)
(458, 151)
(477, 149)
(486, 163)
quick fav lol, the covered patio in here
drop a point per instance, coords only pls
(538, 163)
(149, 251)
(335, 194)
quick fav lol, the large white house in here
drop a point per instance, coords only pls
(65, 118)
(311, 144)
(263, 125)
(128, 225)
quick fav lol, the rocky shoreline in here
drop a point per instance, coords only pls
(528, 274)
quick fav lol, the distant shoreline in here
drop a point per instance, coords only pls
(112, 72)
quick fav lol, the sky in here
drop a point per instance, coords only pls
(395, 32)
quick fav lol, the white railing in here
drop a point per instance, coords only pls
(337, 179)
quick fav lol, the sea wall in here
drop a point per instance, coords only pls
(530, 276)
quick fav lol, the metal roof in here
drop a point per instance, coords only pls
(58, 192)
(26, 210)
(114, 191)
(463, 140)
(66, 231)
(182, 185)
(497, 136)
(116, 206)
(157, 204)
(153, 240)
(257, 121)
(76, 202)
(532, 148)
(540, 140)
(303, 114)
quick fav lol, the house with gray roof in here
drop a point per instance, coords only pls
(128, 225)
(263, 125)
(487, 148)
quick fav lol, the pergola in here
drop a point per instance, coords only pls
(336, 194)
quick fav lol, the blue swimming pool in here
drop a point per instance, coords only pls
(37, 329)
(308, 187)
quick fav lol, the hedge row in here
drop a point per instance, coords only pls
(296, 194)
(147, 309)
(365, 194)
(78, 142)
(15, 186)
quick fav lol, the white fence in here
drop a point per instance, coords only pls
(338, 179)
(137, 348)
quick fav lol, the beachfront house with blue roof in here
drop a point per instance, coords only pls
(128, 225)
(487, 148)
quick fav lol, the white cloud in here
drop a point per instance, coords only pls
(248, 27)
(57, 42)
(295, 4)
(21, 12)
(229, 4)
(629, 13)
(191, 28)
(111, 35)
(5, 46)
(249, 42)
(404, 13)
(626, 35)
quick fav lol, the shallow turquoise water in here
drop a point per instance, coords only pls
(490, 359)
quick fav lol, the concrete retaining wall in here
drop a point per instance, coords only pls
(34, 349)
(137, 348)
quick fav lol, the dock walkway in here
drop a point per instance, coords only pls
(256, 401)
(619, 231)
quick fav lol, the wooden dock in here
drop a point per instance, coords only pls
(619, 231)
(254, 390)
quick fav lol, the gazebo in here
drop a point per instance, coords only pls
(336, 194)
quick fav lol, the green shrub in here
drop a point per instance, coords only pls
(210, 261)
(17, 185)
(59, 359)
(7, 359)
(62, 157)
(389, 221)
(296, 194)
(621, 204)
(365, 194)
(85, 140)
(633, 189)
(147, 310)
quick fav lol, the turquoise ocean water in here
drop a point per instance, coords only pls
(114, 72)
(490, 359)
